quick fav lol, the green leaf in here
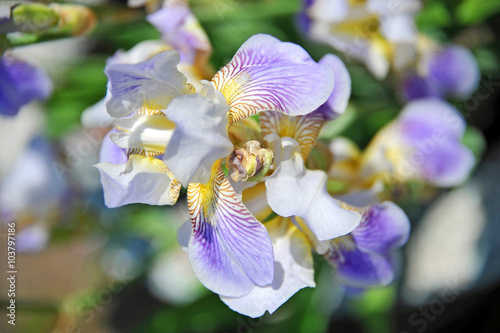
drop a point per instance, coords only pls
(475, 141)
(434, 14)
(471, 11)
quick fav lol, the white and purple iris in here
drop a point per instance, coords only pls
(170, 136)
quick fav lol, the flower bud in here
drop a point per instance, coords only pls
(249, 163)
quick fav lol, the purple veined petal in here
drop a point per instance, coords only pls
(384, 227)
(20, 83)
(152, 83)
(141, 180)
(337, 102)
(455, 71)
(266, 74)
(180, 29)
(200, 137)
(229, 250)
(292, 190)
(110, 152)
(293, 270)
(433, 130)
(360, 269)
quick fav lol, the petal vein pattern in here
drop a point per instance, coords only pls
(267, 74)
(304, 129)
(229, 250)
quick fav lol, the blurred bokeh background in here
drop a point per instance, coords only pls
(85, 268)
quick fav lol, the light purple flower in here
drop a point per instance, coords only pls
(229, 249)
(450, 72)
(20, 83)
(424, 143)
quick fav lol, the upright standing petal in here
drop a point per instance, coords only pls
(267, 74)
(337, 102)
(229, 250)
(293, 270)
(200, 137)
(152, 83)
(294, 190)
(304, 129)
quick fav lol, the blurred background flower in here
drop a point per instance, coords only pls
(85, 268)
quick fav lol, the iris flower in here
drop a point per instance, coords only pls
(361, 251)
(381, 34)
(174, 136)
(422, 144)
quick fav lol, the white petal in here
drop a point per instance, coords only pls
(144, 131)
(293, 270)
(294, 190)
(96, 116)
(141, 180)
(200, 138)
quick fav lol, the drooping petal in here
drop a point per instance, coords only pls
(383, 227)
(152, 83)
(110, 152)
(337, 102)
(267, 74)
(294, 190)
(363, 269)
(141, 180)
(293, 270)
(304, 129)
(20, 83)
(200, 137)
(455, 71)
(229, 250)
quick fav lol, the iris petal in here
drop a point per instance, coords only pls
(267, 74)
(294, 190)
(229, 250)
